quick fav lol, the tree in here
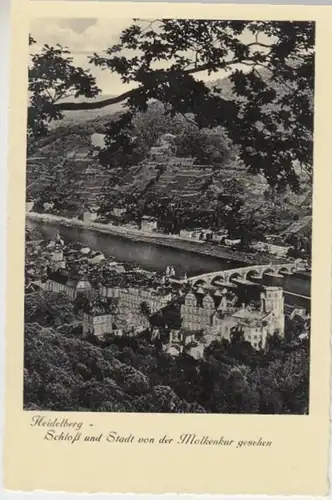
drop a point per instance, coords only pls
(207, 146)
(268, 113)
(154, 122)
(52, 78)
(48, 309)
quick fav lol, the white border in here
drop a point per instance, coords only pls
(4, 104)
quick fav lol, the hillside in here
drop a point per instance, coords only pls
(83, 116)
(65, 372)
(63, 167)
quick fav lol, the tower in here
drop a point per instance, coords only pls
(58, 240)
(207, 311)
(208, 303)
(58, 260)
(97, 318)
(83, 287)
(189, 311)
(190, 300)
(57, 254)
(272, 301)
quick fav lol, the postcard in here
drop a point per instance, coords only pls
(169, 249)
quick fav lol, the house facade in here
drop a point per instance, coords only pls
(278, 250)
(149, 224)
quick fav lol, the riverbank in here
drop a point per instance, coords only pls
(159, 239)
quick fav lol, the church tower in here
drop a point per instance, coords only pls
(58, 260)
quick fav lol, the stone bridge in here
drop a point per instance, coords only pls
(243, 274)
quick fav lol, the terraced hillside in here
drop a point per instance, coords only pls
(75, 180)
(181, 179)
(63, 166)
(138, 179)
(73, 174)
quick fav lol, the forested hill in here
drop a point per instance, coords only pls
(64, 372)
(83, 116)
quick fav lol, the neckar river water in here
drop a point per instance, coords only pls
(156, 258)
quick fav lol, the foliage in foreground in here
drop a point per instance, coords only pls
(270, 68)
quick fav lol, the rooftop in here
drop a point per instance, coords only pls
(249, 314)
(148, 218)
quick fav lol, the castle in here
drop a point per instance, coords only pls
(130, 300)
(218, 315)
(97, 318)
(72, 286)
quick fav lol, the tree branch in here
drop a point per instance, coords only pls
(68, 106)
(72, 106)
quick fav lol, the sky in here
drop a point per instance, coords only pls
(83, 37)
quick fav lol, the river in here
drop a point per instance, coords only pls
(156, 258)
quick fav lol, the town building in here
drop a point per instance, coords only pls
(136, 304)
(97, 319)
(194, 234)
(170, 272)
(219, 236)
(117, 211)
(184, 233)
(89, 216)
(48, 205)
(300, 312)
(33, 286)
(133, 297)
(96, 258)
(218, 315)
(61, 282)
(302, 317)
(59, 240)
(58, 259)
(278, 250)
(231, 243)
(149, 224)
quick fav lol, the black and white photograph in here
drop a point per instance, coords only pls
(168, 216)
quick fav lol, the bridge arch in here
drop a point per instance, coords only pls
(200, 282)
(285, 269)
(253, 274)
(233, 275)
(216, 279)
(268, 270)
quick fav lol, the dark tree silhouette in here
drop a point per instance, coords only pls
(268, 112)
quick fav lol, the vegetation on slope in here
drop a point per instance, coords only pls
(63, 372)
